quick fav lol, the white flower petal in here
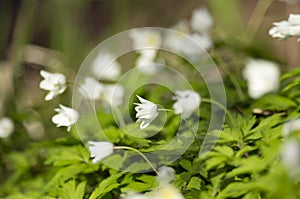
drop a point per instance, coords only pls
(166, 174)
(66, 117)
(146, 112)
(187, 102)
(201, 20)
(6, 127)
(55, 83)
(262, 77)
(100, 150)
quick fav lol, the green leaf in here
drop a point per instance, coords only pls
(215, 162)
(237, 189)
(66, 155)
(274, 102)
(106, 186)
(250, 165)
(195, 183)
(69, 190)
(187, 165)
(292, 73)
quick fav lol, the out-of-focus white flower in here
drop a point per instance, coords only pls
(113, 94)
(262, 77)
(100, 150)
(66, 117)
(55, 83)
(145, 63)
(290, 155)
(195, 45)
(165, 175)
(146, 112)
(290, 126)
(145, 39)
(174, 39)
(285, 29)
(147, 42)
(187, 102)
(137, 196)
(201, 20)
(6, 127)
(105, 67)
(91, 88)
(167, 191)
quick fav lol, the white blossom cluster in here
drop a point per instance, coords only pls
(285, 29)
(188, 38)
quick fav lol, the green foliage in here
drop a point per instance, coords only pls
(244, 163)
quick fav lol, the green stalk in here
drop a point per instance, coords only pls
(140, 153)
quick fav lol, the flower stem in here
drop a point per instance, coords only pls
(256, 19)
(140, 153)
(231, 118)
(164, 109)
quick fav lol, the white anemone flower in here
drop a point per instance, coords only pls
(174, 39)
(91, 88)
(145, 38)
(6, 127)
(146, 112)
(202, 20)
(147, 42)
(187, 102)
(105, 67)
(113, 94)
(66, 117)
(100, 150)
(290, 155)
(196, 45)
(167, 191)
(262, 77)
(55, 83)
(291, 126)
(285, 29)
(165, 175)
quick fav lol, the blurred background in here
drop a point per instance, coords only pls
(57, 35)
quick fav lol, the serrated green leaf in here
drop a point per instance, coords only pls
(106, 186)
(195, 183)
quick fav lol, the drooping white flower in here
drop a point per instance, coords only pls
(55, 83)
(290, 155)
(100, 150)
(66, 117)
(167, 191)
(285, 29)
(187, 102)
(262, 77)
(291, 126)
(6, 127)
(113, 94)
(201, 20)
(147, 42)
(105, 67)
(165, 175)
(91, 88)
(146, 112)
